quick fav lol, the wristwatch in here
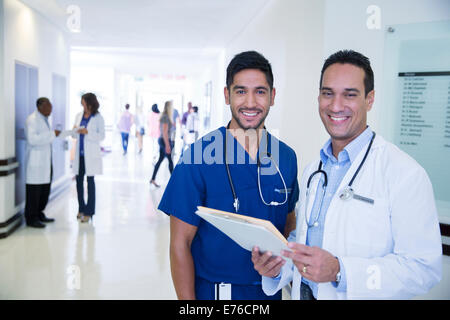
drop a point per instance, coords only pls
(338, 277)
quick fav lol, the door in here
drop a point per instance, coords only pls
(26, 94)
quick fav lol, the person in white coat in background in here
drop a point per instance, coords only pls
(39, 138)
(192, 127)
(367, 224)
(89, 130)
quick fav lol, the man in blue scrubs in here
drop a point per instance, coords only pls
(205, 263)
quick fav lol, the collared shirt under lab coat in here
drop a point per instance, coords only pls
(92, 151)
(391, 249)
(39, 149)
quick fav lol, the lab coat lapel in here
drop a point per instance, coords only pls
(325, 290)
(330, 219)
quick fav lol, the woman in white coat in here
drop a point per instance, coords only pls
(89, 131)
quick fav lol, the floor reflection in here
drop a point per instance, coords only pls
(121, 254)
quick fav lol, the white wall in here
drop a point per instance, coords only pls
(2, 124)
(216, 74)
(5, 182)
(31, 39)
(289, 34)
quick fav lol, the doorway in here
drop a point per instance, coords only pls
(26, 94)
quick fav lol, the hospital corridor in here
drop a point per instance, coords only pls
(224, 150)
(122, 254)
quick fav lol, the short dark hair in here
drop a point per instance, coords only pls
(41, 101)
(91, 102)
(127, 106)
(195, 109)
(249, 60)
(354, 58)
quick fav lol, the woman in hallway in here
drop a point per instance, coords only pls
(153, 130)
(165, 144)
(89, 130)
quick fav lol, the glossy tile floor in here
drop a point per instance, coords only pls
(121, 254)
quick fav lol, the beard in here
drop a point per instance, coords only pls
(235, 116)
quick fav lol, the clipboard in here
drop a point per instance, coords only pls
(246, 231)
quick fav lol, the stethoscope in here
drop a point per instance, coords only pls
(266, 156)
(346, 194)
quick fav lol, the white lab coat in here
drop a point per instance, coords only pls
(192, 128)
(391, 249)
(92, 151)
(39, 149)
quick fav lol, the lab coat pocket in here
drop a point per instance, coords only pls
(38, 157)
(368, 228)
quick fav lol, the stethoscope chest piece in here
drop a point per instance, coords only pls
(346, 194)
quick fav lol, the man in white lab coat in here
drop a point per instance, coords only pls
(192, 126)
(367, 224)
(38, 163)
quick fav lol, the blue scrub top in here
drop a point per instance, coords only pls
(84, 122)
(196, 182)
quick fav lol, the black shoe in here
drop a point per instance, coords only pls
(36, 224)
(43, 218)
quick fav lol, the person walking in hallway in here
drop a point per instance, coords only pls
(90, 131)
(153, 131)
(125, 123)
(165, 143)
(192, 126)
(39, 169)
(184, 131)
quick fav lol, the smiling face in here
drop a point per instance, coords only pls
(343, 104)
(250, 99)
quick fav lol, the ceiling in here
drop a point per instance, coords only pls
(168, 24)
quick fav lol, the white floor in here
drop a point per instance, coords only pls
(122, 254)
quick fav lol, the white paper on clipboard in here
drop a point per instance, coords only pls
(246, 231)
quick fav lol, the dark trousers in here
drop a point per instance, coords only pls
(306, 292)
(36, 200)
(125, 136)
(88, 208)
(162, 155)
